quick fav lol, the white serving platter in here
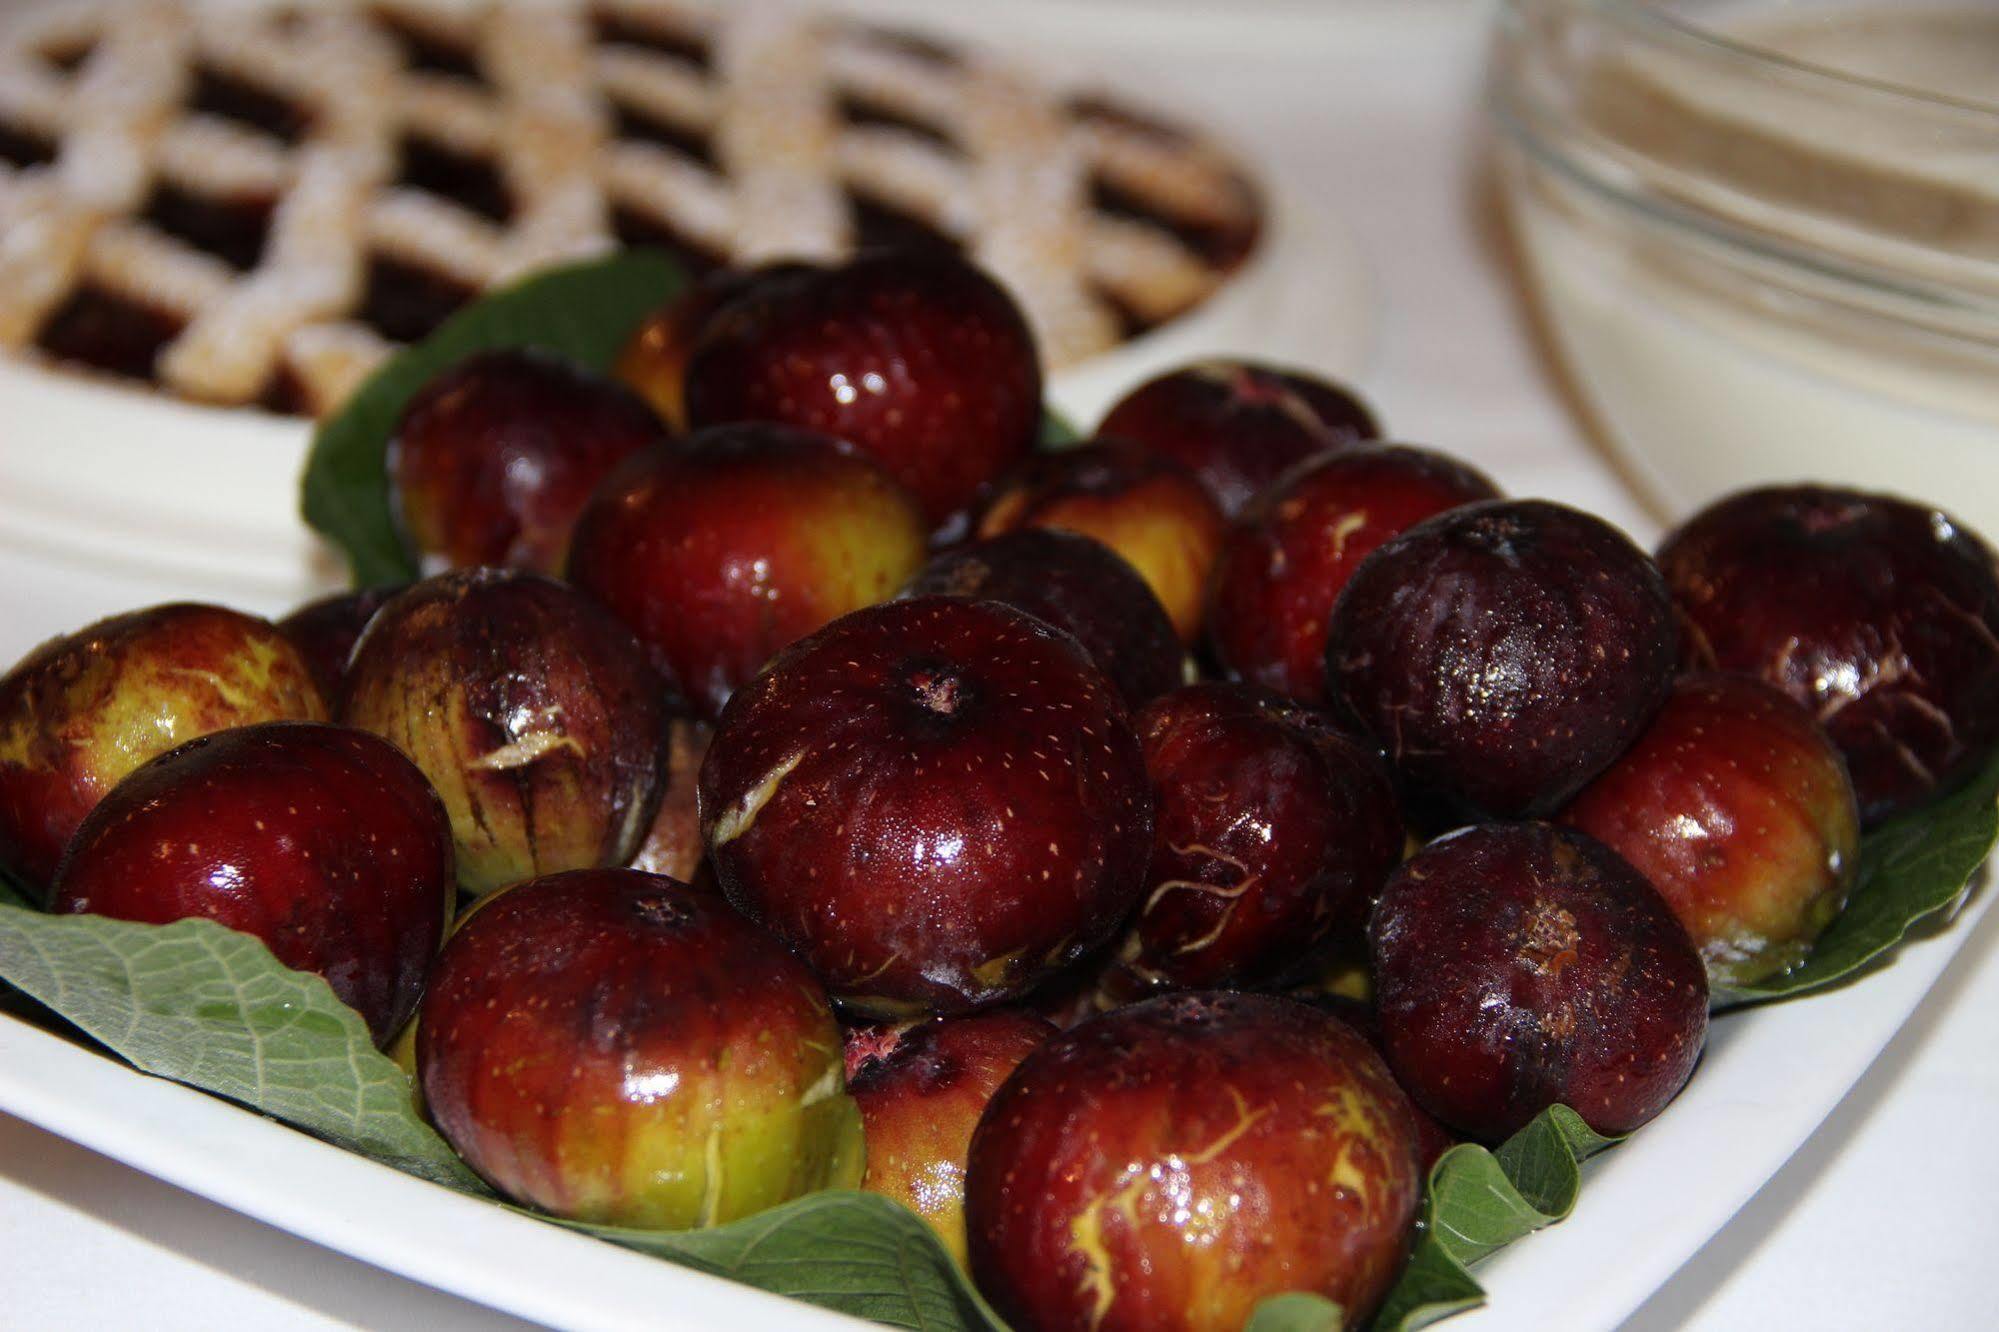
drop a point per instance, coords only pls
(1769, 1078)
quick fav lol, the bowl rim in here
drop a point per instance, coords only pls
(1644, 15)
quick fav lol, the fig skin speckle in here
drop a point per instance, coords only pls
(1271, 831)
(1878, 615)
(1289, 555)
(530, 708)
(1736, 806)
(323, 841)
(938, 802)
(1521, 965)
(1503, 653)
(611, 1046)
(1168, 1165)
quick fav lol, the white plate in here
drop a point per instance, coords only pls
(1769, 1077)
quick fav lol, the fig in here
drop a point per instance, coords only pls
(1738, 809)
(921, 1090)
(736, 543)
(529, 707)
(1521, 965)
(81, 712)
(1170, 1165)
(493, 459)
(612, 1047)
(1271, 830)
(1503, 653)
(1240, 424)
(938, 803)
(1289, 555)
(322, 841)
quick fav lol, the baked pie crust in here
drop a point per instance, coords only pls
(256, 205)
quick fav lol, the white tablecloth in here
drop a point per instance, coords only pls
(1368, 111)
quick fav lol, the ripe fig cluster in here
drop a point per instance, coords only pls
(850, 791)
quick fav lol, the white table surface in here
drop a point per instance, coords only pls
(1369, 111)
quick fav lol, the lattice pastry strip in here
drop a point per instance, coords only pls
(312, 264)
(126, 92)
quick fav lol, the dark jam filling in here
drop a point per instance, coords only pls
(108, 332)
(405, 303)
(285, 395)
(427, 54)
(233, 230)
(1220, 245)
(24, 147)
(69, 59)
(620, 30)
(881, 225)
(634, 123)
(856, 109)
(473, 183)
(642, 231)
(230, 98)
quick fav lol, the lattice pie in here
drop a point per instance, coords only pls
(256, 205)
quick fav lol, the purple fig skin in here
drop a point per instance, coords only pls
(81, 712)
(1880, 616)
(1503, 653)
(325, 632)
(921, 361)
(610, 1046)
(1080, 586)
(493, 459)
(1240, 424)
(1520, 965)
(530, 708)
(1270, 831)
(323, 841)
(1167, 1166)
(736, 543)
(938, 803)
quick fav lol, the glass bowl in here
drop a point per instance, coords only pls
(1765, 236)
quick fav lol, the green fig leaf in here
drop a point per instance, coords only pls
(205, 1005)
(1911, 869)
(1056, 432)
(1479, 1201)
(583, 312)
(857, 1253)
(1300, 1311)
